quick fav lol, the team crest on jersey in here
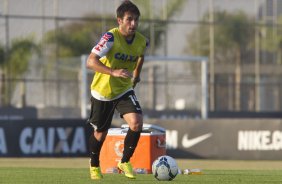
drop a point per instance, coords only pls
(106, 37)
(125, 57)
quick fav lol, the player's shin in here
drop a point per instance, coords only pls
(130, 143)
(94, 148)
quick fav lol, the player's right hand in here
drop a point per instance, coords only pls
(121, 73)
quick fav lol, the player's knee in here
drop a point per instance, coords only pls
(135, 121)
(136, 125)
(100, 136)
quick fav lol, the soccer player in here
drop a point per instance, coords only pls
(117, 61)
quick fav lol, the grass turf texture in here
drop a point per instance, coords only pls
(75, 171)
(81, 176)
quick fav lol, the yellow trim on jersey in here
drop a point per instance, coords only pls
(122, 55)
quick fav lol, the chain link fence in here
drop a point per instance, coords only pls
(242, 76)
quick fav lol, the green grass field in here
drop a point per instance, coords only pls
(75, 171)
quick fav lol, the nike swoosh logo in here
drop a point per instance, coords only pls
(187, 143)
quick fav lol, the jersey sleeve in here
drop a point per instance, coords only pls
(104, 45)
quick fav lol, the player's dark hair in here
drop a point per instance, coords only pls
(127, 6)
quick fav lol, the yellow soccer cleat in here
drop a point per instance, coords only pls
(126, 167)
(95, 173)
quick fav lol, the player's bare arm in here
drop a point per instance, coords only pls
(139, 64)
(94, 63)
(137, 71)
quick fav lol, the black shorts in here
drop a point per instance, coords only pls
(102, 112)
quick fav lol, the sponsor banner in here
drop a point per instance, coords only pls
(43, 138)
(224, 138)
(211, 139)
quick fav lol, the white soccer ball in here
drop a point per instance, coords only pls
(164, 168)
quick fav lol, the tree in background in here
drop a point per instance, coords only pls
(271, 40)
(158, 15)
(2, 75)
(14, 63)
(77, 38)
(280, 39)
(233, 36)
(279, 44)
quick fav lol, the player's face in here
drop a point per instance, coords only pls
(128, 24)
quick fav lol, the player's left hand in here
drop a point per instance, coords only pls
(123, 73)
(135, 80)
